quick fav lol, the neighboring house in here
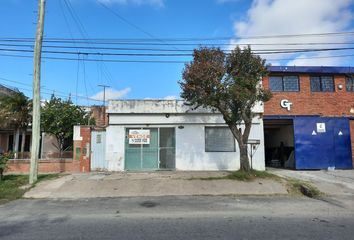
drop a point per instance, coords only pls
(166, 134)
(7, 134)
(309, 122)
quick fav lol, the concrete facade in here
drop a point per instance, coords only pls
(189, 125)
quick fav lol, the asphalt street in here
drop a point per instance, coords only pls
(202, 217)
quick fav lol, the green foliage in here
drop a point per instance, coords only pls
(245, 176)
(58, 118)
(15, 110)
(229, 84)
(4, 158)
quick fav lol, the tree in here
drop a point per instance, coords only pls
(15, 112)
(58, 118)
(229, 84)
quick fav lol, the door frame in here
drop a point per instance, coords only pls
(93, 143)
(158, 127)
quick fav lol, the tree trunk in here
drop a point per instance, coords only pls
(23, 142)
(244, 160)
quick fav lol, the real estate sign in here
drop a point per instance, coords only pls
(139, 136)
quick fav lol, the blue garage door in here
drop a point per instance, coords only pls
(322, 142)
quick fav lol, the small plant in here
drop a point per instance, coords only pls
(4, 158)
(242, 175)
(299, 187)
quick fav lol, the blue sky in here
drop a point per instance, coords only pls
(158, 20)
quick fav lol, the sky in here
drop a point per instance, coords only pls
(160, 27)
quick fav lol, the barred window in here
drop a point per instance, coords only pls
(219, 139)
(349, 84)
(322, 84)
(276, 84)
(284, 83)
(291, 83)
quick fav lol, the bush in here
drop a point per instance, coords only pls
(4, 158)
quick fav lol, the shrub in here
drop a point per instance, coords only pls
(4, 158)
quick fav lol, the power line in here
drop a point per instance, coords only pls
(157, 61)
(84, 34)
(139, 49)
(82, 31)
(133, 25)
(65, 94)
(153, 38)
(176, 44)
(259, 52)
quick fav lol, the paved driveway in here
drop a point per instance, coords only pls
(173, 183)
(336, 182)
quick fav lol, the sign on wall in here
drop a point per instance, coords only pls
(321, 127)
(285, 103)
(139, 136)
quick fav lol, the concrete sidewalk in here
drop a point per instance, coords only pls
(93, 185)
(336, 182)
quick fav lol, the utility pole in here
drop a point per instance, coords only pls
(104, 93)
(104, 102)
(36, 118)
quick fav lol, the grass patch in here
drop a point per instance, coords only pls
(298, 187)
(45, 177)
(245, 176)
(10, 186)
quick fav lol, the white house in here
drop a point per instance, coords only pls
(166, 134)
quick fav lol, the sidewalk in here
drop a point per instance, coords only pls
(94, 185)
(336, 182)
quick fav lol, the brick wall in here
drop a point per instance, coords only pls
(44, 166)
(100, 116)
(305, 102)
(85, 145)
(82, 148)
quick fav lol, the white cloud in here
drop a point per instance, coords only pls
(155, 3)
(112, 94)
(284, 17)
(170, 97)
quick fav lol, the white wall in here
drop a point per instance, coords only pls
(190, 142)
(161, 106)
(115, 137)
(191, 155)
(173, 119)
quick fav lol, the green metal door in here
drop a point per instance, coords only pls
(142, 156)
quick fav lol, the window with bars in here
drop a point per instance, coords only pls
(322, 84)
(349, 84)
(284, 83)
(219, 139)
